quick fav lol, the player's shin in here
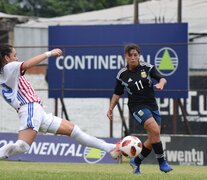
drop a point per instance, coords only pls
(144, 153)
(158, 149)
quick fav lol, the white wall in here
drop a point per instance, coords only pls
(30, 41)
(197, 55)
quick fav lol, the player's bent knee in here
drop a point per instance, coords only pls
(21, 146)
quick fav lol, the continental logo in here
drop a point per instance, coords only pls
(166, 61)
(93, 155)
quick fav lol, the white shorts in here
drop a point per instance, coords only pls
(33, 116)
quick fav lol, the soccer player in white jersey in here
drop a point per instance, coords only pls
(17, 91)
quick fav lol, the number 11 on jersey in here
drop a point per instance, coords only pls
(139, 85)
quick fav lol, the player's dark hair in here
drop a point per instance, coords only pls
(5, 50)
(131, 46)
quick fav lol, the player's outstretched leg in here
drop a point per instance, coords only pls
(91, 141)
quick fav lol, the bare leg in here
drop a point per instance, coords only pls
(153, 131)
(27, 135)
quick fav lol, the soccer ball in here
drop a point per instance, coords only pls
(130, 146)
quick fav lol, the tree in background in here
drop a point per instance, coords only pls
(8, 7)
(52, 8)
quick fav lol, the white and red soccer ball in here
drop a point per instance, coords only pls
(130, 146)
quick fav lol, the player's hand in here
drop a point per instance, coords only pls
(159, 86)
(109, 114)
(56, 52)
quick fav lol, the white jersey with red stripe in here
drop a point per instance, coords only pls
(15, 88)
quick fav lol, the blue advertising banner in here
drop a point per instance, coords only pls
(94, 54)
(47, 148)
(179, 150)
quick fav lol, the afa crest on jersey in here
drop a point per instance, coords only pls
(143, 74)
(140, 112)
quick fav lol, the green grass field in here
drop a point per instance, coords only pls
(58, 171)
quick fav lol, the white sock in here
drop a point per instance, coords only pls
(12, 149)
(4, 149)
(90, 141)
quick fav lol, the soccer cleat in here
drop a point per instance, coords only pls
(135, 166)
(115, 153)
(165, 167)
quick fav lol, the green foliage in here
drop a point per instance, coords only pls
(6, 7)
(53, 8)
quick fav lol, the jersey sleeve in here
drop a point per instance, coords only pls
(155, 74)
(119, 89)
(14, 68)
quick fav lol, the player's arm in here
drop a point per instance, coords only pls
(118, 91)
(160, 85)
(39, 58)
(160, 79)
(114, 101)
